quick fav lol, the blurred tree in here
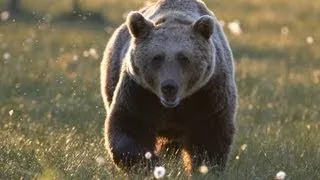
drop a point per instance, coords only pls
(14, 6)
(76, 7)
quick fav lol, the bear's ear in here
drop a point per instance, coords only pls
(138, 25)
(204, 26)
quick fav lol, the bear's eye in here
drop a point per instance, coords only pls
(157, 60)
(160, 21)
(183, 59)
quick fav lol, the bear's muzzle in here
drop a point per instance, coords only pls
(169, 91)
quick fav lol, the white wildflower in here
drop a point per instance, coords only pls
(235, 28)
(280, 175)
(159, 172)
(309, 40)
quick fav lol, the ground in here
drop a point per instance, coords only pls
(52, 113)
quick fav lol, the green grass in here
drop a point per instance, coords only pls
(56, 126)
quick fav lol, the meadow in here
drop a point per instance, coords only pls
(51, 111)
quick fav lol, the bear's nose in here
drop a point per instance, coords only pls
(169, 88)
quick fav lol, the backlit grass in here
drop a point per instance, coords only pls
(51, 111)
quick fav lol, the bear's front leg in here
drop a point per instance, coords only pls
(208, 142)
(130, 136)
(130, 142)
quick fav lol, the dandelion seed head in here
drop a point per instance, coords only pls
(243, 147)
(108, 30)
(86, 53)
(308, 126)
(124, 15)
(284, 30)
(222, 23)
(29, 40)
(148, 155)
(237, 157)
(5, 15)
(280, 175)
(159, 172)
(100, 160)
(47, 18)
(11, 112)
(93, 53)
(203, 169)
(6, 56)
(309, 40)
(235, 28)
(148, 3)
(316, 76)
(75, 57)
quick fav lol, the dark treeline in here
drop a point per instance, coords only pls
(14, 6)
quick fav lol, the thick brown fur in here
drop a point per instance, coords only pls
(179, 40)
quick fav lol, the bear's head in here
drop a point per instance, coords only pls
(173, 60)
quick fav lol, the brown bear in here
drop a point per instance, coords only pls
(168, 73)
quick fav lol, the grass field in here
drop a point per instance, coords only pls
(51, 111)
